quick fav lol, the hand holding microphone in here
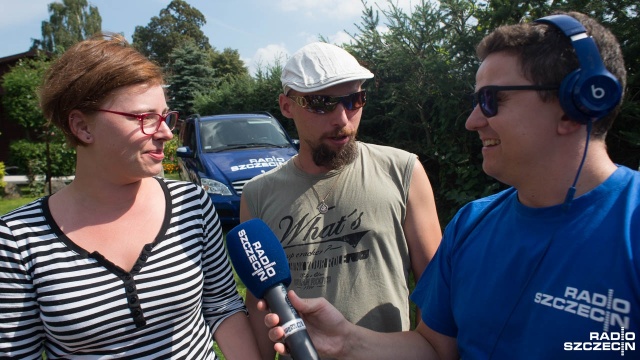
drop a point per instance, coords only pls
(262, 265)
(325, 324)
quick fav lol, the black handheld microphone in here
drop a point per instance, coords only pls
(261, 264)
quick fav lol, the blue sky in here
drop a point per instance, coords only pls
(261, 30)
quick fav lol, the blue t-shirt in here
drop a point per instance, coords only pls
(509, 281)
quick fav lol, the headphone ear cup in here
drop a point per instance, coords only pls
(565, 95)
(589, 97)
(598, 94)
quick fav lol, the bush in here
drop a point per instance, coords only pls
(31, 160)
(170, 168)
(170, 162)
(2, 183)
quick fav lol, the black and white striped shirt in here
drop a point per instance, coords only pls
(57, 297)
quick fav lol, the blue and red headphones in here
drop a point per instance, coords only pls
(590, 92)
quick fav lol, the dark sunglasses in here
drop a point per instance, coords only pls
(322, 104)
(488, 100)
(150, 122)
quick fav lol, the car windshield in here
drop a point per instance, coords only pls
(237, 133)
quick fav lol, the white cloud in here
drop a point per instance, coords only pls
(336, 38)
(278, 53)
(332, 9)
(383, 29)
(308, 37)
(273, 53)
(405, 5)
(267, 56)
(340, 38)
(340, 10)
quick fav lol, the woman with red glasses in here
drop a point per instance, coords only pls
(119, 263)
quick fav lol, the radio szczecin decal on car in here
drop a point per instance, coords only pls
(260, 163)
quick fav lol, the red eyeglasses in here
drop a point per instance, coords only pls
(150, 122)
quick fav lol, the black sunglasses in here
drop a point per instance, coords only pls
(488, 100)
(323, 104)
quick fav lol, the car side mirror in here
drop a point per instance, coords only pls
(185, 152)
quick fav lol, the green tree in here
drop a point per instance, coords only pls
(425, 66)
(268, 88)
(190, 73)
(243, 94)
(494, 13)
(20, 98)
(70, 21)
(228, 63)
(177, 23)
(49, 157)
(43, 150)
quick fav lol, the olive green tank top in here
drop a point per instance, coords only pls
(355, 255)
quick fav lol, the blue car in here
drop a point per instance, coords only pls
(222, 152)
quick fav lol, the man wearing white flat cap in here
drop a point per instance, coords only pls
(354, 219)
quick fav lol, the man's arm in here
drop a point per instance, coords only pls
(421, 227)
(334, 336)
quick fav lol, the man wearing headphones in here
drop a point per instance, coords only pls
(548, 268)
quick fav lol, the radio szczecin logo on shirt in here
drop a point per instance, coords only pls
(605, 341)
(607, 309)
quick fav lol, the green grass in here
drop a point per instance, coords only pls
(174, 176)
(7, 205)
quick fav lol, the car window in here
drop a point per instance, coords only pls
(218, 135)
(187, 137)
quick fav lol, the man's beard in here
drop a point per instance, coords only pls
(324, 156)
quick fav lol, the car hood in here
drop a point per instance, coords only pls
(246, 163)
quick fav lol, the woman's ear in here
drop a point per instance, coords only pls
(79, 126)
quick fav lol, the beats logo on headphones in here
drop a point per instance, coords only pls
(590, 92)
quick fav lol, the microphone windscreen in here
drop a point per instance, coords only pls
(257, 257)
